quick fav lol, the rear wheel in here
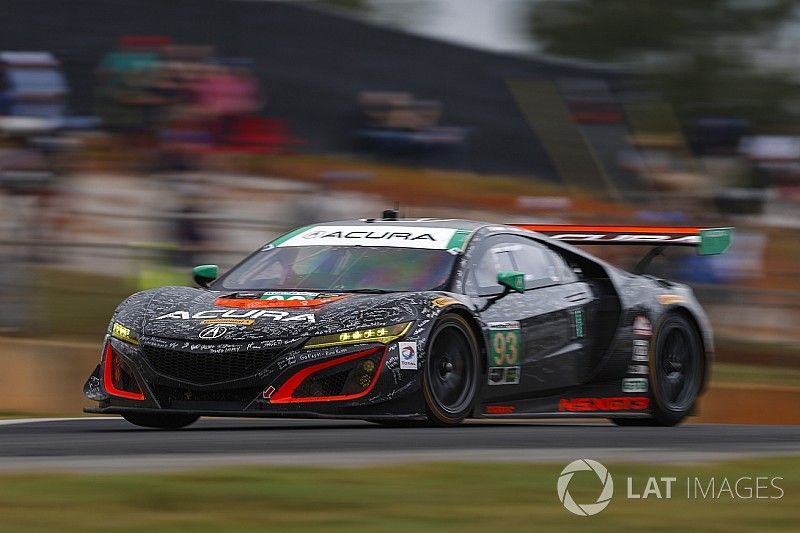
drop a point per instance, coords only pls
(676, 373)
(450, 376)
(160, 420)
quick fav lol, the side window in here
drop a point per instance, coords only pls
(562, 269)
(496, 259)
(536, 263)
(540, 265)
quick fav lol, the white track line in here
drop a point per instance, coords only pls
(178, 462)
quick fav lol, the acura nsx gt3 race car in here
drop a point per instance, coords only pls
(402, 321)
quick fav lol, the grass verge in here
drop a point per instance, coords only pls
(729, 373)
(439, 497)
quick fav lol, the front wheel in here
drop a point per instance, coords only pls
(160, 420)
(450, 376)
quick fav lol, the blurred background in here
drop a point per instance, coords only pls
(141, 137)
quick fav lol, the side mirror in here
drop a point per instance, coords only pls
(205, 274)
(512, 280)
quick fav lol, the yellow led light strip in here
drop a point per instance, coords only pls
(118, 331)
(382, 335)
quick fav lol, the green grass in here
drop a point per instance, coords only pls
(755, 375)
(424, 497)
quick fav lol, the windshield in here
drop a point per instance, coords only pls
(341, 268)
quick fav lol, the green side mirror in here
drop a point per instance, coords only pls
(512, 280)
(205, 274)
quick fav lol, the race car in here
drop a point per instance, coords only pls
(416, 321)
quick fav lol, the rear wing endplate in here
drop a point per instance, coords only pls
(708, 241)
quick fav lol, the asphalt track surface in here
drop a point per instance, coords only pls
(111, 444)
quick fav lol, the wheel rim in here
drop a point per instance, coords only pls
(450, 369)
(678, 368)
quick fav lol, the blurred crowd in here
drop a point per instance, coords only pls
(178, 164)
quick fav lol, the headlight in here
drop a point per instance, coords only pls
(383, 335)
(118, 331)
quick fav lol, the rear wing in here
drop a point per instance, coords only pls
(708, 241)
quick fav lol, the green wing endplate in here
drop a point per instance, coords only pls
(715, 241)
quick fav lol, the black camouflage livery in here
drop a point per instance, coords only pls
(584, 342)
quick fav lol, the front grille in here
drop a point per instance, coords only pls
(174, 397)
(207, 368)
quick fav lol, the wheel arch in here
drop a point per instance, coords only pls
(475, 326)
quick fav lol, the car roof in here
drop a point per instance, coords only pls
(450, 223)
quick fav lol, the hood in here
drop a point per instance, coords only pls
(187, 313)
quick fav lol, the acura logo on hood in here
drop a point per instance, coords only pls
(213, 332)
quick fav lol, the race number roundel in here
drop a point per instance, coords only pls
(504, 345)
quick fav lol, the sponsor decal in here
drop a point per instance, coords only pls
(231, 321)
(634, 385)
(377, 235)
(641, 370)
(508, 375)
(287, 362)
(641, 347)
(499, 409)
(669, 299)
(444, 301)
(283, 316)
(627, 238)
(603, 499)
(408, 355)
(578, 318)
(213, 332)
(621, 403)
(276, 301)
(291, 295)
(642, 326)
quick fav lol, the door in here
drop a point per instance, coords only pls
(536, 339)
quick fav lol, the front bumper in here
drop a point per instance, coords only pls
(391, 393)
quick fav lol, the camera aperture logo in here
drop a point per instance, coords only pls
(586, 509)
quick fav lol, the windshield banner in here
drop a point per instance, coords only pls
(394, 236)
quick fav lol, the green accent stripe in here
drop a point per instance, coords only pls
(283, 238)
(458, 239)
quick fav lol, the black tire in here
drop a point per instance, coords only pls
(677, 369)
(450, 374)
(160, 420)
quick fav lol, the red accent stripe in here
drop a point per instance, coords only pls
(633, 230)
(260, 304)
(108, 378)
(284, 393)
